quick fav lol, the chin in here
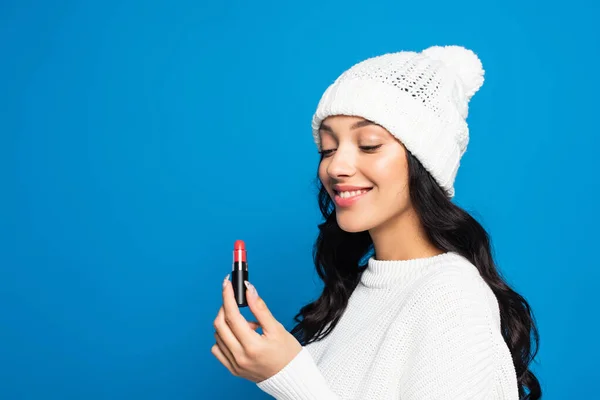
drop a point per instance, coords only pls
(352, 224)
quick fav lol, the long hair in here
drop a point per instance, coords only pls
(337, 256)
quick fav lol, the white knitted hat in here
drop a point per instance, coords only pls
(420, 98)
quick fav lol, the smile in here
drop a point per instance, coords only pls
(349, 194)
(348, 198)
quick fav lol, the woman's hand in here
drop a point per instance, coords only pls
(241, 349)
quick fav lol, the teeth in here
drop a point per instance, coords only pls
(345, 195)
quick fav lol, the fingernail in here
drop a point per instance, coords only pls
(225, 281)
(251, 288)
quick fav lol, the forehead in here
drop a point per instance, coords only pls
(343, 123)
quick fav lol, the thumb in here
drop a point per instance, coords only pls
(260, 309)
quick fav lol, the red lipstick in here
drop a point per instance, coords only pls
(239, 272)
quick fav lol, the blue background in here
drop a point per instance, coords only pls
(140, 139)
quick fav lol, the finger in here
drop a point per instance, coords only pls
(235, 319)
(260, 310)
(224, 331)
(226, 352)
(216, 351)
(254, 325)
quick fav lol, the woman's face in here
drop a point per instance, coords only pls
(365, 172)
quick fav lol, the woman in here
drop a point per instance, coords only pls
(413, 306)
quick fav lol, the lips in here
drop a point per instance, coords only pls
(348, 198)
(349, 188)
(351, 193)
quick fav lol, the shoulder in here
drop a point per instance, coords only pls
(454, 292)
(452, 332)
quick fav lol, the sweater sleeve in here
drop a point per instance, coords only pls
(455, 341)
(301, 379)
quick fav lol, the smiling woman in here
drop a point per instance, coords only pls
(428, 315)
(364, 170)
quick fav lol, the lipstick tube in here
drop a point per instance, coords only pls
(239, 273)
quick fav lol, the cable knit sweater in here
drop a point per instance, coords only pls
(420, 329)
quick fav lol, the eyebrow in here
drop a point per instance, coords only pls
(356, 125)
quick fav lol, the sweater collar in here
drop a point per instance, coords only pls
(386, 273)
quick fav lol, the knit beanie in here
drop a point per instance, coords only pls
(420, 98)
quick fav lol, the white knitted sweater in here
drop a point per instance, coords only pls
(420, 329)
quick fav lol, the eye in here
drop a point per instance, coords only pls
(370, 148)
(326, 153)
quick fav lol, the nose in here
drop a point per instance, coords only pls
(341, 163)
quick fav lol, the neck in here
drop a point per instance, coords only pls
(402, 238)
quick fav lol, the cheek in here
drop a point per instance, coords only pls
(391, 176)
(386, 171)
(323, 172)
